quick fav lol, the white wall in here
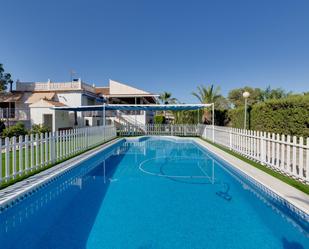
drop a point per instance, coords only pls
(70, 99)
(60, 118)
(120, 88)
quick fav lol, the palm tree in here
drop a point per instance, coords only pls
(207, 95)
(166, 98)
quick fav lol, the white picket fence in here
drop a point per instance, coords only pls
(286, 154)
(25, 154)
(160, 129)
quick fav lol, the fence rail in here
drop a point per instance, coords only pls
(282, 153)
(160, 129)
(26, 154)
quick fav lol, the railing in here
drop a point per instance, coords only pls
(26, 154)
(54, 86)
(285, 154)
(160, 129)
(92, 113)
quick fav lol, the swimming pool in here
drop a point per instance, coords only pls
(151, 193)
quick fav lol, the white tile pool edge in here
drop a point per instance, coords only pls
(292, 195)
(12, 193)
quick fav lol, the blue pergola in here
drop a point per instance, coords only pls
(125, 107)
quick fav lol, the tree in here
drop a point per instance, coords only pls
(166, 98)
(5, 79)
(236, 98)
(276, 93)
(208, 95)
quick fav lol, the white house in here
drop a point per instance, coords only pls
(119, 93)
(32, 103)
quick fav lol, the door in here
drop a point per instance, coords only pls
(48, 121)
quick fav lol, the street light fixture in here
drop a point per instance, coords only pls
(246, 95)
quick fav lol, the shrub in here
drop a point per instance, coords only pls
(159, 119)
(16, 130)
(36, 129)
(288, 116)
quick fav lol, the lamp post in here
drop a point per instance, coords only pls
(246, 95)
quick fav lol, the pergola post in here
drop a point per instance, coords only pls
(75, 119)
(104, 114)
(135, 113)
(213, 122)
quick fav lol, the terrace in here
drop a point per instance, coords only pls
(54, 86)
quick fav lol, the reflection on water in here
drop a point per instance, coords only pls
(290, 244)
(48, 207)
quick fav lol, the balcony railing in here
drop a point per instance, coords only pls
(54, 86)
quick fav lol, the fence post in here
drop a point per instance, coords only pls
(53, 147)
(213, 133)
(7, 158)
(27, 152)
(20, 164)
(87, 138)
(14, 156)
(230, 137)
(307, 160)
(262, 149)
(301, 158)
(41, 150)
(294, 167)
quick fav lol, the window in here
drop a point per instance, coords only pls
(7, 109)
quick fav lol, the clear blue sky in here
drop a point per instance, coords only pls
(159, 45)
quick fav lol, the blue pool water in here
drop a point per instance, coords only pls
(152, 193)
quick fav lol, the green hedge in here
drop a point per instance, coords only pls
(285, 116)
(236, 117)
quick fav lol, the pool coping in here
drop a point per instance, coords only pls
(297, 198)
(13, 193)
